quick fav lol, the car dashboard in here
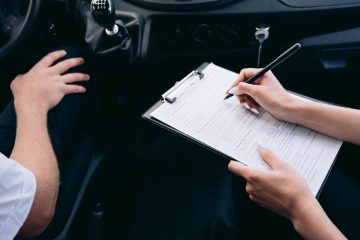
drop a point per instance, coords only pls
(157, 43)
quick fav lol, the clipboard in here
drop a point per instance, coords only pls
(174, 93)
(170, 97)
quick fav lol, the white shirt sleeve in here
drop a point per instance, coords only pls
(17, 192)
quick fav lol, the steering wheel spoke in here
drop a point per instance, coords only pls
(8, 22)
(16, 28)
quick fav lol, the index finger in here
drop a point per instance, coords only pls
(270, 158)
(52, 57)
(64, 66)
(244, 74)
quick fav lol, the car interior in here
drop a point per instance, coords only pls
(126, 178)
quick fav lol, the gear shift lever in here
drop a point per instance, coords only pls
(103, 11)
(108, 31)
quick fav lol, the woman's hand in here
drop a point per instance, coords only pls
(285, 192)
(266, 92)
(281, 189)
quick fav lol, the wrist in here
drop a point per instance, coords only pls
(292, 107)
(25, 110)
(308, 208)
(288, 108)
(313, 223)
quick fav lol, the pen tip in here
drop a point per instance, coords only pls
(228, 96)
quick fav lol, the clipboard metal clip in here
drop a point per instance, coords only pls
(199, 74)
(171, 95)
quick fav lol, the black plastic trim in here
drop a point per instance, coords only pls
(318, 3)
(179, 4)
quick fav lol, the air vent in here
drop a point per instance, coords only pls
(179, 4)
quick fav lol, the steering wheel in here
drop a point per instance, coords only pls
(17, 20)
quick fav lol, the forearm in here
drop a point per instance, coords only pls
(313, 223)
(34, 151)
(338, 122)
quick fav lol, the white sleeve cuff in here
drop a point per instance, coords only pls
(17, 191)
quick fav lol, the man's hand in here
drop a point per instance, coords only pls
(281, 189)
(45, 84)
(35, 93)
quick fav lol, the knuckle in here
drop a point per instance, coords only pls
(73, 62)
(68, 63)
(48, 71)
(253, 176)
(12, 85)
(71, 78)
(63, 87)
(80, 90)
(57, 78)
(249, 188)
(250, 71)
(269, 74)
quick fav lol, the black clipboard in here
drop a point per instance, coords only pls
(199, 74)
(165, 97)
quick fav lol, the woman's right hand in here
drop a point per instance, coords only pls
(266, 92)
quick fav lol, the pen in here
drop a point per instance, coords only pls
(285, 55)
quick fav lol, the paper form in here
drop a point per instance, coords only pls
(200, 112)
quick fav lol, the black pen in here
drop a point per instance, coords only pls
(285, 55)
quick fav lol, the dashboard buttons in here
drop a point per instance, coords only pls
(198, 36)
(203, 33)
(229, 33)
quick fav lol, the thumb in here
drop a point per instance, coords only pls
(270, 158)
(239, 169)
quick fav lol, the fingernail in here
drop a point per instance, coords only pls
(232, 90)
(246, 106)
(254, 110)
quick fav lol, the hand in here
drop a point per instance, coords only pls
(266, 92)
(43, 87)
(281, 189)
